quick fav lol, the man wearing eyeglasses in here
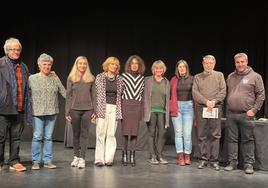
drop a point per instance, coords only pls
(14, 103)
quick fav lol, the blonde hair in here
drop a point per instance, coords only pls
(160, 64)
(111, 60)
(74, 75)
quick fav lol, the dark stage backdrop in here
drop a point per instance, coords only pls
(166, 32)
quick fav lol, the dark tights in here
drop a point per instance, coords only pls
(130, 142)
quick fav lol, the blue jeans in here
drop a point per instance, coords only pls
(183, 127)
(43, 130)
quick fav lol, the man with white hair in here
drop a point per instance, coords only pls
(209, 91)
(14, 103)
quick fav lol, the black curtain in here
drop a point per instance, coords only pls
(164, 32)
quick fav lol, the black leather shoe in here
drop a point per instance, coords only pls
(202, 164)
(215, 166)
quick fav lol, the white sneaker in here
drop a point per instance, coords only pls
(75, 161)
(81, 163)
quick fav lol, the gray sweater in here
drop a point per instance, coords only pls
(209, 86)
(245, 91)
(80, 96)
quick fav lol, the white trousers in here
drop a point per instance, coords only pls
(105, 135)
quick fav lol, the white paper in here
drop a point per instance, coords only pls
(210, 114)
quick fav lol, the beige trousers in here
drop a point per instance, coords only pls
(105, 135)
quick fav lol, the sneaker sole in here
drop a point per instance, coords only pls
(18, 170)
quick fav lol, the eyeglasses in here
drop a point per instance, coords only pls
(14, 49)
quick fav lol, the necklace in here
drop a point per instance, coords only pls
(110, 78)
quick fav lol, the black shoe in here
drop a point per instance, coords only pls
(124, 158)
(202, 164)
(215, 166)
(248, 169)
(132, 158)
(231, 166)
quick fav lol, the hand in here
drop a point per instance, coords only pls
(166, 126)
(210, 105)
(250, 113)
(93, 118)
(68, 118)
(53, 74)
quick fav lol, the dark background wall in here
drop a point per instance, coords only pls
(162, 31)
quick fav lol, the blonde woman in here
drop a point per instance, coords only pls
(109, 86)
(156, 110)
(79, 107)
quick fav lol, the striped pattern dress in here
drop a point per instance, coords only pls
(132, 103)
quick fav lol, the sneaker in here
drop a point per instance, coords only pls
(215, 166)
(81, 164)
(162, 161)
(36, 166)
(202, 164)
(18, 167)
(154, 161)
(75, 162)
(248, 169)
(231, 166)
(181, 160)
(188, 159)
(50, 165)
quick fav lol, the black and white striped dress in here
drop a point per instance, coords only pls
(132, 103)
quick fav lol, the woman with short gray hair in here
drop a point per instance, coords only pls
(44, 90)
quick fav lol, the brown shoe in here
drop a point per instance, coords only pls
(231, 166)
(18, 167)
(188, 159)
(181, 161)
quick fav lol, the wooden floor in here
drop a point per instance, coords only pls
(144, 175)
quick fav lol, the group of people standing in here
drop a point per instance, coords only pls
(129, 98)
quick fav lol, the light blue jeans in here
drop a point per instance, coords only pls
(183, 127)
(42, 132)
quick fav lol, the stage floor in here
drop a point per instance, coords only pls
(144, 175)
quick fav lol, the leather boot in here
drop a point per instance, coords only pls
(181, 161)
(188, 159)
(124, 158)
(132, 158)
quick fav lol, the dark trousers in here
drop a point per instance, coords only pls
(81, 120)
(240, 124)
(157, 134)
(12, 124)
(209, 134)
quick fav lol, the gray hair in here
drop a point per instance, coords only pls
(44, 58)
(209, 57)
(9, 42)
(238, 55)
